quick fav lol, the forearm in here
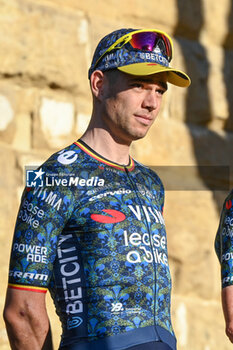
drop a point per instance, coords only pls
(25, 334)
(227, 304)
(27, 321)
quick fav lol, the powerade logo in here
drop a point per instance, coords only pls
(74, 322)
(34, 178)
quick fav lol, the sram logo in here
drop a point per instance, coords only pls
(115, 216)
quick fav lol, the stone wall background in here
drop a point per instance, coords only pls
(45, 51)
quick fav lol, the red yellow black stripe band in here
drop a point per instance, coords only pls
(129, 167)
(28, 288)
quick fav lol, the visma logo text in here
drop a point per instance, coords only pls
(74, 322)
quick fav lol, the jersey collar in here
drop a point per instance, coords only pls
(84, 147)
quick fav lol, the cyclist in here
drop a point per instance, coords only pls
(92, 232)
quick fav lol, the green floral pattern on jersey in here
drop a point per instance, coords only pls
(94, 235)
(224, 241)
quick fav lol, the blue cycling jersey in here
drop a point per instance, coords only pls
(224, 241)
(93, 234)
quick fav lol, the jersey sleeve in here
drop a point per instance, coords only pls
(224, 242)
(42, 215)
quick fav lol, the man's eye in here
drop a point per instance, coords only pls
(137, 85)
(160, 91)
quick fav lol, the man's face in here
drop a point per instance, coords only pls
(131, 104)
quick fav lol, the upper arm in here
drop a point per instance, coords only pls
(27, 321)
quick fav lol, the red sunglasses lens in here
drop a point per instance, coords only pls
(149, 41)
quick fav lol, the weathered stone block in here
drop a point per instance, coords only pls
(149, 16)
(17, 105)
(192, 222)
(219, 104)
(167, 143)
(8, 209)
(7, 113)
(54, 121)
(193, 59)
(84, 112)
(170, 142)
(57, 120)
(222, 33)
(228, 76)
(199, 324)
(8, 177)
(22, 136)
(43, 44)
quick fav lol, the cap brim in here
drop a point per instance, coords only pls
(174, 76)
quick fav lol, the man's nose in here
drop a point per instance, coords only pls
(150, 101)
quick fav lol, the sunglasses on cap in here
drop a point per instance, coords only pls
(144, 40)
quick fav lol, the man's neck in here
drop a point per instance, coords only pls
(104, 144)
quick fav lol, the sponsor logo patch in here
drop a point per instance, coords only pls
(74, 322)
(229, 204)
(116, 216)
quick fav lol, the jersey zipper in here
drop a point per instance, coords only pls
(134, 186)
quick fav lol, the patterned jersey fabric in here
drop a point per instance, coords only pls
(93, 234)
(224, 241)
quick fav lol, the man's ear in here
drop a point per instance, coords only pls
(97, 82)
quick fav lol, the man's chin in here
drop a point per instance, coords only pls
(139, 135)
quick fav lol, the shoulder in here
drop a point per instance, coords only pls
(229, 199)
(150, 174)
(228, 204)
(67, 157)
(48, 186)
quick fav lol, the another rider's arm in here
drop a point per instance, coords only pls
(27, 321)
(227, 304)
(224, 250)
